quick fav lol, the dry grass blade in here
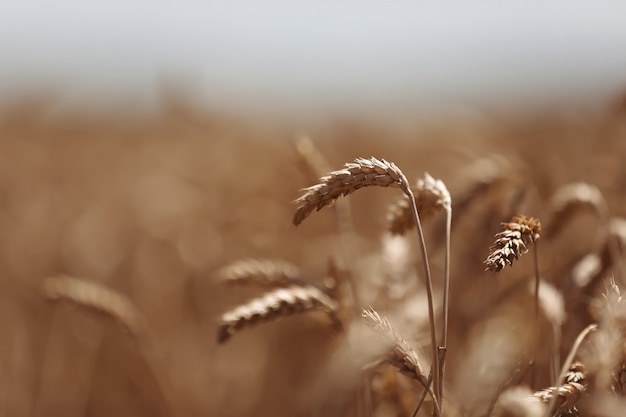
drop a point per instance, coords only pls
(264, 272)
(361, 173)
(431, 196)
(402, 355)
(514, 240)
(278, 303)
(96, 298)
(570, 200)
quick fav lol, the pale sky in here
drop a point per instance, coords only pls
(322, 54)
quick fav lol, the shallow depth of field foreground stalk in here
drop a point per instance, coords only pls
(365, 173)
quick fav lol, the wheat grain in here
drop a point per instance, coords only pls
(265, 272)
(570, 200)
(96, 298)
(361, 173)
(402, 355)
(431, 196)
(277, 303)
(514, 240)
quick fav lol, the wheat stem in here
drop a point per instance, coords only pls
(429, 290)
(446, 293)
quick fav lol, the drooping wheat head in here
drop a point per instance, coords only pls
(275, 304)
(513, 241)
(361, 173)
(570, 200)
(96, 298)
(265, 272)
(431, 196)
(566, 396)
(402, 355)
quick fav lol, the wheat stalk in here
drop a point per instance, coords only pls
(431, 196)
(265, 272)
(361, 173)
(515, 239)
(274, 304)
(570, 200)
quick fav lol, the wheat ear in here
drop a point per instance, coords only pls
(402, 356)
(121, 310)
(479, 178)
(265, 272)
(564, 397)
(567, 365)
(277, 303)
(316, 166)
(570, 200)
(515, 239)
(431, 196)
(363, 173)
(96, 298)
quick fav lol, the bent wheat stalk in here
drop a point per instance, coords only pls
(278, 303)
(365, 173)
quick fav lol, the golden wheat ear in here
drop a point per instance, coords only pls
(565, 397)
(281, 302)
(431, 197)
(361, 173)
(516, 237)
(402, 356)
(96, 298)
(263, 272)
(570, 200)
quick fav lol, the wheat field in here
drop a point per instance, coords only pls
(151, 265)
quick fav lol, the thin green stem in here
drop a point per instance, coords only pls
(429, 291)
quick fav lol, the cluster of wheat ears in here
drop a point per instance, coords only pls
(590, 377)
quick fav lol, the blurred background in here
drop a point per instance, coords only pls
(144, 145)
(315, 57)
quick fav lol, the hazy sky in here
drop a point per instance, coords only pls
(323, 54)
